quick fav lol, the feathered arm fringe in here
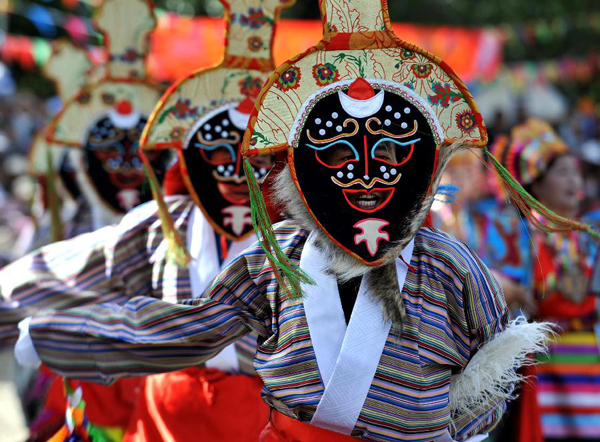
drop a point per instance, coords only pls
(491, 374)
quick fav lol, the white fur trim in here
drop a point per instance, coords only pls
(491, 374)
(361, 108)
(390, 86)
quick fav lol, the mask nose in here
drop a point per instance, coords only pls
(366, 149)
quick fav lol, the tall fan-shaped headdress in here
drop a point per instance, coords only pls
(68, 68)
(104, 121)
(203, 117)
(364, 69)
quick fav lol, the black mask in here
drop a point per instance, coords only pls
(115, 167)
(362, 167)
(212, 167)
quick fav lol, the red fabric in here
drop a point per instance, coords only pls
(555, 304)
(108, 406)
(198, 404)
(529, 423)
(285, 429)
(173, 183)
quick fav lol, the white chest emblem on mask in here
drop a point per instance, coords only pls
(238, 217)
(371, 232)
(128, 198)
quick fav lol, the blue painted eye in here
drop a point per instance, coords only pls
(335, 154)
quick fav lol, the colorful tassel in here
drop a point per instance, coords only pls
(177, 251)
(291, 275)
(530, 207)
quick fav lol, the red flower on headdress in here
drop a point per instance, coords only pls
(422, 70)
(250, 87)
(255, 43)
(325, 74)
(290, 79)
(443, 95)
(466, 121)
(255, 19)
(183, 109)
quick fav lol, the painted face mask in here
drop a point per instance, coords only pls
(218, 180)
(103, 120)
(365, 159)
(113, 162)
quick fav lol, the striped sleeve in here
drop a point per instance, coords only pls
(485, 308)
(486, 315)
(108, 265)
(144, 336)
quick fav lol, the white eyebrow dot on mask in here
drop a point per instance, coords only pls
(220, 168)
(393, 172)
(338, 128)
(404, 125)
(366, 177)
(322, 132)
(350, 175)
(334, 115)
(340, 174)
(386, 175)
(208, 137)
(224, 134)
(263, 170)
(317, 121)
(387, 122)
(382, 168)
(397, 115)
(218, 128)
(350, 166)
(207, 127)
(230, 167)
(225, 123)
(388, 108)
(407, 110)
(329, 124)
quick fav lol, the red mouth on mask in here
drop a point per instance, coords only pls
(234, 193)
(368, 201)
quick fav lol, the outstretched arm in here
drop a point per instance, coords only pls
(104, 342)
(109, 265)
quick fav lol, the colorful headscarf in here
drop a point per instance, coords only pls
(529, 151)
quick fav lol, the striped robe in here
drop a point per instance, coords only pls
(454, 307)
(113, 264)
